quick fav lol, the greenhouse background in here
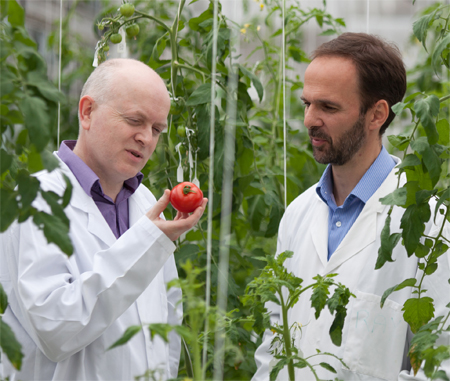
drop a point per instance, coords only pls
(261, 159)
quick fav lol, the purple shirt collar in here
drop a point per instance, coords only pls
(88, 180)
(115, 213)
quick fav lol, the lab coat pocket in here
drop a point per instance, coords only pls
(376, 337)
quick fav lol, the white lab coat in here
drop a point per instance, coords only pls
(66, 311)
(374, 340)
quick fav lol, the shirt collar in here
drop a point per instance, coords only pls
(85, 175)
(368, 184)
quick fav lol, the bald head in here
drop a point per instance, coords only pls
(104, 81)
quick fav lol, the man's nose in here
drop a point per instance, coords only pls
(145, 136)
(312, 117)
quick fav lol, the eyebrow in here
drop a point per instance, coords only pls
(322, 101)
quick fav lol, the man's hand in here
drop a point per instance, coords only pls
(182, 222)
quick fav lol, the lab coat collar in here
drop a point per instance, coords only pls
(361, 234)
(97, 224)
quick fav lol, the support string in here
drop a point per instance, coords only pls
(210, 185)
(59, 71)
(226, 210)
(283, 60)
(367, 17)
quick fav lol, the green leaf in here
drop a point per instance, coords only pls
(54, 230)
(200, 96)
(49, 160)
(45, 87)
(28, 187)
(256, 82)
(397, 197)
(10, 346)
(406, 283)
(427, 109)
(398, 141)
(445, 196)
(413, 225)
(327, 367)
(411, 160)
(319, 296)
(430, 158)
(3, 300)
(274, 221)
(256, 211)
(420, 28)
(418, 312)
(388, 242)
(160, 329)
(398, 107)
(37, 120)
(431, 268)
(16, 14)
(438, 50)
(5, 161)
(337, 326)
(443, 128)
(128, 334)
(10, 208)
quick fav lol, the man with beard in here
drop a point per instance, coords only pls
(335, 226)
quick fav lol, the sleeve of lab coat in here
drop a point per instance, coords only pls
(175, 316)
(438, 288)
(65, 309)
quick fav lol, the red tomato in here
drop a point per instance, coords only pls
(186, 197)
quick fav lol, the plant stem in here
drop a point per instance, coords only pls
(287, 337)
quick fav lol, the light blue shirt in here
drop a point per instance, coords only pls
(341, 219)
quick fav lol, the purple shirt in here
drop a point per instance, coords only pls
(115, 214)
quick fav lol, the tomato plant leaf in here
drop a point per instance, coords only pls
(327, 367)
(3, 300)
(10, 208)
(127, 336)
(443, 128)
(427, 109)
(406, 283)
(399, 141)
(443, 197)
(337, 326)
(397, 197)
(413, 225)
(411, 160)
(255, 80)
(200, 95)
(418, 311)
(438, 50)
(160, 329)
(10, 346)
(420, 28)
(36, 120)
(54, 230)
(388, 242)
(5, 161)
(28, 187)
(16, 14)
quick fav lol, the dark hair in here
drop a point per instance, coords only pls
(379, 65)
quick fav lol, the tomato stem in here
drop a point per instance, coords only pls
(187, 189)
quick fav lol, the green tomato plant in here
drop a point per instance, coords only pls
(276, 284)
(425, 194)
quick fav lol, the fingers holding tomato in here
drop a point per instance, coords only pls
(186, 197)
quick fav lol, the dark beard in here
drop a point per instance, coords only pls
(345, 147)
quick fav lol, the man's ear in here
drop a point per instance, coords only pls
(85, 108)
(379, 112)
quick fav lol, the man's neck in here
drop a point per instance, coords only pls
(347, 176)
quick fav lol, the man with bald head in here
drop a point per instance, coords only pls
(67, 311)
